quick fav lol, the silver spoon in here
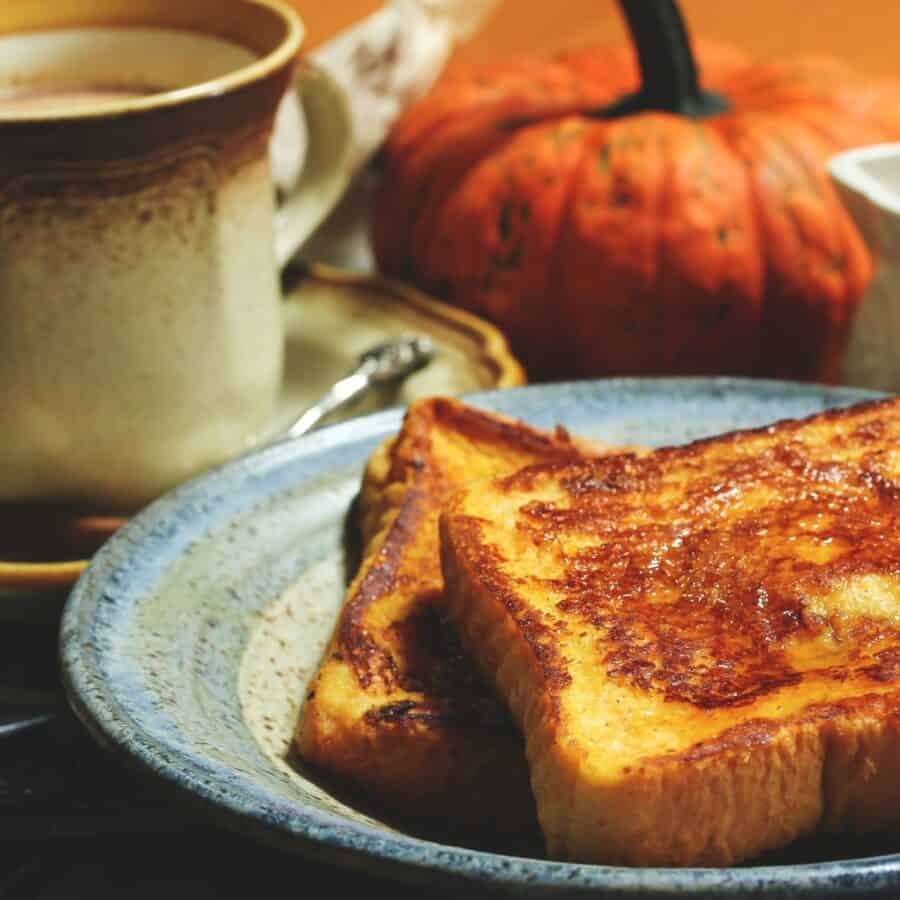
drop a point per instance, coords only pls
(381, 364)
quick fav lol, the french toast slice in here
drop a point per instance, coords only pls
(701, 646)
(397, 708)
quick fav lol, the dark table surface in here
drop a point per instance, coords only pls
(74, 824)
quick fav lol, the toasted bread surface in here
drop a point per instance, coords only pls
(397, 707)
(701, 646)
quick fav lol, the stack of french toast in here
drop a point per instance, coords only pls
(678, 657)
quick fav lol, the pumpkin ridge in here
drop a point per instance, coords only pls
(442, 187)
(712, 308)
(543, 309)
(516, 214)
(405, 154)
(562, 336)
(663, 200)
(806, 316)
(814, 178)
(833, 309)
(455, 97)
(607, 197)
(834, 133)
(418, 200)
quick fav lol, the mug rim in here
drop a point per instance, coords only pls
(283, 54)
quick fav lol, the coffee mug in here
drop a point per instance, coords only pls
(141, 333)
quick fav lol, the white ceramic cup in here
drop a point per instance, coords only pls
(141, 334)
(868, 181)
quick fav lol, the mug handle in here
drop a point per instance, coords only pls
(326, 168)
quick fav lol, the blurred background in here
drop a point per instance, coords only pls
(859, 31)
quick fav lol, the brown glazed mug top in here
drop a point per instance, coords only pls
(135, 125)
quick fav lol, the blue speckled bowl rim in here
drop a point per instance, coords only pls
(238, 802)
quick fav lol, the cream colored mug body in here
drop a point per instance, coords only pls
(141, 333)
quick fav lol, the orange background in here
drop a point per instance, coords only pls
(864, 32)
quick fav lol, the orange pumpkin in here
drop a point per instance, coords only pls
(614, 218)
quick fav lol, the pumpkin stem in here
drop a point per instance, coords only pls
(669, 80)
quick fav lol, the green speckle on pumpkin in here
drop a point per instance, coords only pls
(512, 213)
(603, 159)
(559, 137)
(505, 219)
(713, 317)
(512, 259)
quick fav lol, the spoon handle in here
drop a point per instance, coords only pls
(348, 388)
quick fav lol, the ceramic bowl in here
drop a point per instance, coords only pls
(868, 182)
(187, 645)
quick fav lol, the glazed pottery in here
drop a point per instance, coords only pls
(868, 180)
(143, 336)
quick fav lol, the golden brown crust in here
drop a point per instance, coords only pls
(375, 498)
(397, 706)
(737, 598)
(815, 505)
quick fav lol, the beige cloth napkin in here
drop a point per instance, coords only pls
(382, 64)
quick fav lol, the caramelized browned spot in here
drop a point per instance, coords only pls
(446, 712)
(435, 662)
(702, 570)
(422, 654)
(429, 477)
(358, 646)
